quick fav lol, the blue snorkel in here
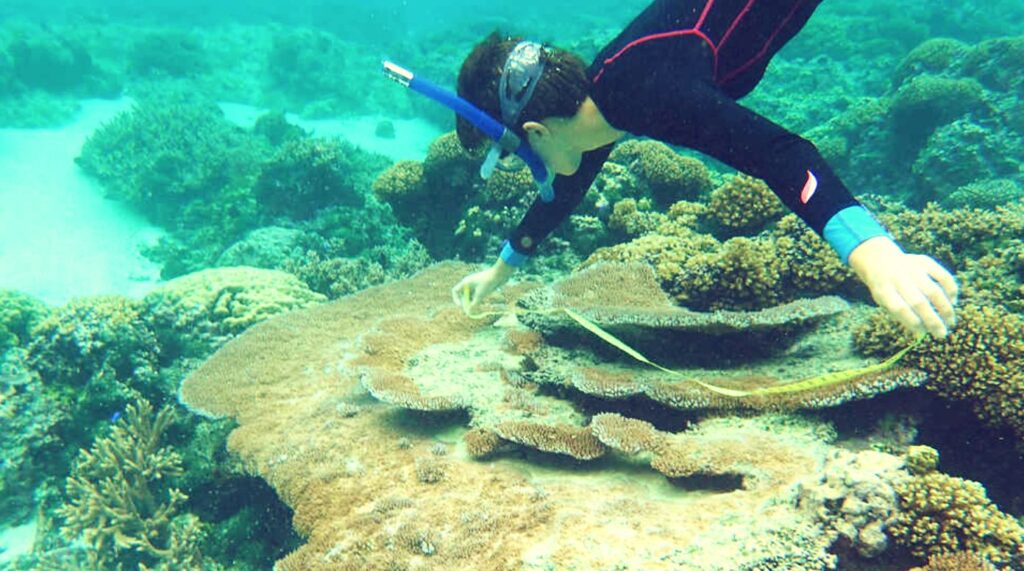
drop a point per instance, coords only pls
(503, 137)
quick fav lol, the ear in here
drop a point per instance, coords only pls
(534, 129)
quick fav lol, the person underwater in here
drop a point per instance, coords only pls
(674, 74)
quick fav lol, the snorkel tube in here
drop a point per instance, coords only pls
(502, 136)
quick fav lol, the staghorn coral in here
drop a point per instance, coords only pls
(744, 205)
(941, 514)
(121, 499)
(196, 313)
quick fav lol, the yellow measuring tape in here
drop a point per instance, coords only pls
(820, 381)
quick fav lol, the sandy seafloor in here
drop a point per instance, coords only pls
(60, 238)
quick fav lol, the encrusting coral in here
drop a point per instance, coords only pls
(121, 499)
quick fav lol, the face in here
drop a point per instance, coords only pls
(551, 141)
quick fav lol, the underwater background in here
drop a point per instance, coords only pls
(227, 339)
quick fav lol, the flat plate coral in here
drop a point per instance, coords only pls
(382, 486)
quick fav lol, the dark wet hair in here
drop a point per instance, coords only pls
(561, 90)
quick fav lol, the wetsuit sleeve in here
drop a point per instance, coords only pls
(704, 119)
(543, 217)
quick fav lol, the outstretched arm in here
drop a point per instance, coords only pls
(914, 289)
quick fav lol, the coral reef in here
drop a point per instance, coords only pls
(97, 354)
(195, 314)
(448, 207)
(122, 502)
(666, 175)
(308, 174)
(30, 416)
(855, 498)
(19, 313)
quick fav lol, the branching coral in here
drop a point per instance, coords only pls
(981, 362)
(106, 344)
(668, 175)
(121, 499)
(941, 514)
(306, 175)
(19, 313)
(744, 205)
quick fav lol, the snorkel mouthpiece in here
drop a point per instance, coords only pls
(518, 80)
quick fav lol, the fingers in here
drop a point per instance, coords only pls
(921, 299)
(943, 277)
(892, 301)
(919, 296)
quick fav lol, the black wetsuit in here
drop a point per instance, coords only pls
(674, 74)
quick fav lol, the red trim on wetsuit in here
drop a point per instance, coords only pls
(765, 47)
(715, 48)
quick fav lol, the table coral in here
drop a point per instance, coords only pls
(285, 378)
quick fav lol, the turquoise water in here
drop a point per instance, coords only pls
(227, 339)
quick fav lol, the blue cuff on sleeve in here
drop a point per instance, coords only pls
(512, 257)
(849, 228)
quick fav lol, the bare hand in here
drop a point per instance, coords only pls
(914, 289)
(472, 289)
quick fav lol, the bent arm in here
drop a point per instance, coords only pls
(543, 217)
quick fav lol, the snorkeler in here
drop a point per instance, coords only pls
(674, 74)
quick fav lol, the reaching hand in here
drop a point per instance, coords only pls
(472, 289)
(914, 289)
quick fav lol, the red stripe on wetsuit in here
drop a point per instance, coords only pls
(715, 48)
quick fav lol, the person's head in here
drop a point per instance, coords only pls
(559, 92)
